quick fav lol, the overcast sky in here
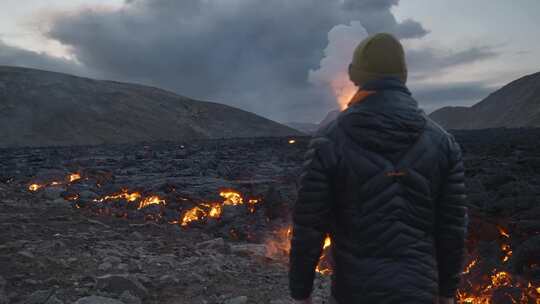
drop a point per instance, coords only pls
(272, 57)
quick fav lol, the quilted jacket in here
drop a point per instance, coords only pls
(387, 184)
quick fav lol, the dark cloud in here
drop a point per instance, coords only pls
(253, 54)
(426, 62)
(432, 97)
(369, 5)
(376, 16)
(410, 29)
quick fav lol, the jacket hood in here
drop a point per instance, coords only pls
(386, 122)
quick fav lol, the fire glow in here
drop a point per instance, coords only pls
(73, 177)
(278, 247)
(125, 194)
(481, 281)
(480, 288)
(344, 90)
(214, 210)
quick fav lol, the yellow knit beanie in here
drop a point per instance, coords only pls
(378, 56)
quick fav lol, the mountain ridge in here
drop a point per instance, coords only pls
(43, 108)
(515, 105)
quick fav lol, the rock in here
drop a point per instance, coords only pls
(39, 297)
(61, 202)
(97, 300)
(26, 254)
(249, 250)
(3, 297)
(168, 280)
(52, 193)
(119, 283)
(54, 300)
(105, 266)
(129, 298)
(216, 244)
(237, 300)
(112, 260)
(122, 267)
(3, 284)
(137, 236)
(281, 301)
(87, 195)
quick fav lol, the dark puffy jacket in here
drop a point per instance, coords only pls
(387, 184)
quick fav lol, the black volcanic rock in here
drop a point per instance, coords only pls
(40, 108)
(515, 105)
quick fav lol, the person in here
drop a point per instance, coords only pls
(386, 183)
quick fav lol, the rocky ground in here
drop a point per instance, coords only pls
(71, 232)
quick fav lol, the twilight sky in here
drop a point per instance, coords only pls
(278, 58)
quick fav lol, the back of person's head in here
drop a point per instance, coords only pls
(378, 56)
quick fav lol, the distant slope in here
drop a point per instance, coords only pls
(515, 105)
(40, 108)
(330, 117)
(304, 127)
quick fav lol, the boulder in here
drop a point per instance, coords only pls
(97, 300)
(119, 283)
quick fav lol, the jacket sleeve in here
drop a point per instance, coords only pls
(311, 217)
(451, 224)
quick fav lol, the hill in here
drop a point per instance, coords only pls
(41, 108)
(513, 106)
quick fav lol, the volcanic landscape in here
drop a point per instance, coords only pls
(209, 221)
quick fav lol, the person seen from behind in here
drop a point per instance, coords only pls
(387, 184)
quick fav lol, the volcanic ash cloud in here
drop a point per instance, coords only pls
(332, 73)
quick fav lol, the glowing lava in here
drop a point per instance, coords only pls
(34, 187)
(232, 198)
(344, 90)
(151, 200)
(214, 210)
(130, 197)
(74, 177)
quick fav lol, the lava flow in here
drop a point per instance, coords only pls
(278, 247)
(483, 286)
(214, 210)
(484, 280)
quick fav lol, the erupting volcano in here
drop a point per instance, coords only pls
(344, 90)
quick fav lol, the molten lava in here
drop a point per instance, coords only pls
(34, 187)
(71, 178)
(344, 90)
(152, 200)
(130, 197)
(278, 247)
(485, 281)
(481, 288)
(192, 215)
(214, 210)
(74, 177)
(324, 267)
(232, 198)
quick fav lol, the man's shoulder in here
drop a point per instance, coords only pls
(437, 130)
(329, 129)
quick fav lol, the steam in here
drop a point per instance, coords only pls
(333, 70)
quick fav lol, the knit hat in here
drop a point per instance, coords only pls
(378, 56)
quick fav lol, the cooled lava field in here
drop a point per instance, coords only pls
(208, 221)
